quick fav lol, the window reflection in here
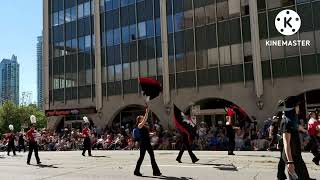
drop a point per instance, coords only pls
(142, 29)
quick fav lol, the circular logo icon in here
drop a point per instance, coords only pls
(288, 22)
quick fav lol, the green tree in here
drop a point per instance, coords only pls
(19, 115)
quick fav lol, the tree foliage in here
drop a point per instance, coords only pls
(19, 116)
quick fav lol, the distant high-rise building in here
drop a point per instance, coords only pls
(39, 72)
(9, 80)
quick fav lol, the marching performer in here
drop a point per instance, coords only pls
(32, 136)
(312, 131)
(291, 153)
(230, 129)
(86, 134)
(145, 145)
(10, 137)
(186, 145)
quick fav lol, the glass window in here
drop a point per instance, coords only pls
(68, 15)
(170, 24)
(116, 36)
(158, 27)
(108, 5)
(160, 63)
(73, 12)
(144, 68)
(210, 13)
(200, 16)
(126, 71)
(152, 67)
(124, 3)
(307, 49)
(118, 70)
(87, 42)
(178, 21)
(116, 4)
(245, 6)
(104, 74)
(234, 8)
(317, 35)
(133, 33)
(222, 14)
(102, 8)
(125, 34)
(61, 17)
(202, 59)
(134, 69)
(291, 50)
(86, 9)
(92, 7)
(213, 57)
(88, 76)
(80, 11)
(190, 61)
(81, 43)
(74, 43)
(110, 38)
(225, 55)
(247, 51)
(277, 52)
(236, 54)
(110, 73)
(142, 29)
(56, 19)
(264, 50)
(150, 28)
(188, 19)
(279, 3)
(180, 62)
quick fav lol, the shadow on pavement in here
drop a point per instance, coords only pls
(168, 177)
(223, 167)
(46, 166)
(100, 156)
(256, 156)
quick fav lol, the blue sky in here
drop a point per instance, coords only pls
(20, 24)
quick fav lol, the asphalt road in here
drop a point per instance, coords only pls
(107, 165)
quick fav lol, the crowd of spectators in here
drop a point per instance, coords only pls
(209, 138)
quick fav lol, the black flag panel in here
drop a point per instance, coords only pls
(150, 87)
(184, 123)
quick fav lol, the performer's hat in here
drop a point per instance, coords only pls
(11, 127)
(33, 119)
(85, 119)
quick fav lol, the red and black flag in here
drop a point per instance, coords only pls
(184, 123)
(150, 87)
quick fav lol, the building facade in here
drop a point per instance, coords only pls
(9, 79)
(39, 73)
(94, 51)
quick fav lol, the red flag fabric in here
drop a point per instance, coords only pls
(184, 123)
(230, 112)
(150, 87)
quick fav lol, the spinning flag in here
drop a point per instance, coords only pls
(150, 87)
(184, 123)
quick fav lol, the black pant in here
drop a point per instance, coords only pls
(185, 145)
(11, 147)
(300, 166)
(314, 148)
(86, 146)
(33, 146)
(281, 175)
(231, 145)
(22, 146)
(144, 146)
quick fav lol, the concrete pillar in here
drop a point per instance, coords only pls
(255, 42)
(45, 54)
(97, 51)
(165, 53)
